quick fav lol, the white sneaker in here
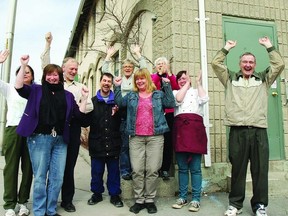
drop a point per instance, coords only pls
(179, 203)
(232, 211)
(10, 212)
(194, 206)
(261, 211)
(24, 211)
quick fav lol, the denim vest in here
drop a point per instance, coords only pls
(160, 100)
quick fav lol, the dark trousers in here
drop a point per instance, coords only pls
(15, 150)
(113, 175)
(168, 147)
(125, 165)
(249, 144)
(68, 187)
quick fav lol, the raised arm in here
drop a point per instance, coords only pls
(109, 53)
(19, 81)
(218, 66)
(182, 91)
(136, 49)
(230, 44)
(119, 99)
(276, 61)
(3, 55)
(83, 102)
(201, 91)
(45, 56)
(265, 41)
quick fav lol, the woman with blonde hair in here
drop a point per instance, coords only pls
(146, 125)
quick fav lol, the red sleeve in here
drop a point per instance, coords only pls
(173, 82)
(156, 79)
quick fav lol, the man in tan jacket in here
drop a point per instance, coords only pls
(246, 114)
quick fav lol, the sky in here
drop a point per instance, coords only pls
(34, 18)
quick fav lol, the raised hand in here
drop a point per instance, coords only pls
(85, 92)
(24, 59)
(230, 44)
(48, 37)
(136, 48)
(110, 51)
(199, 77)
(117, 81)
(3, 55)
(265, 41)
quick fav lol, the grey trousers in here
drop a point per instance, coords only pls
(146, 153)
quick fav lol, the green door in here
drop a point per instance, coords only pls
(247, 32)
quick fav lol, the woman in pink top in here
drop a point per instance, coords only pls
(146, 125)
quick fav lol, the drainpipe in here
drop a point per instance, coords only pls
(203, 52)
(5, 74)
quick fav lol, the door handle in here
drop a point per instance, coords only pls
(274, 93)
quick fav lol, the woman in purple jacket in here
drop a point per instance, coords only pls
(45, 123)
(189, 138)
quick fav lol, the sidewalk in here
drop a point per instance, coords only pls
(211, 205)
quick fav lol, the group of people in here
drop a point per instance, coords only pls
(133, 131)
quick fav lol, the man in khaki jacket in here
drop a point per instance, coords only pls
(246, 114)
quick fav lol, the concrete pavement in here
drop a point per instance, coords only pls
(211, 204)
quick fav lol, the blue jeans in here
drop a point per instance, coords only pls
(189, 161)
(113, 175)
(125, 165)
(48, 157)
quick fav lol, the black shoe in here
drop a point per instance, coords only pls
(127, 177)
(116, 201)
(53, 215)
(165, 175)
(136, 208)
(151, 208)
(68, 207)
(95, 198)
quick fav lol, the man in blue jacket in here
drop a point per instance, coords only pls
(105, 143)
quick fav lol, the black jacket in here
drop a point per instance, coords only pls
(104, 137)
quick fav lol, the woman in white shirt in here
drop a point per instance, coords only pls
(189, 138)
(15, 148)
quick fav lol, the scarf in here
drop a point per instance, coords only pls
(53, 106)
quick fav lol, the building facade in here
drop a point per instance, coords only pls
(173, 29)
